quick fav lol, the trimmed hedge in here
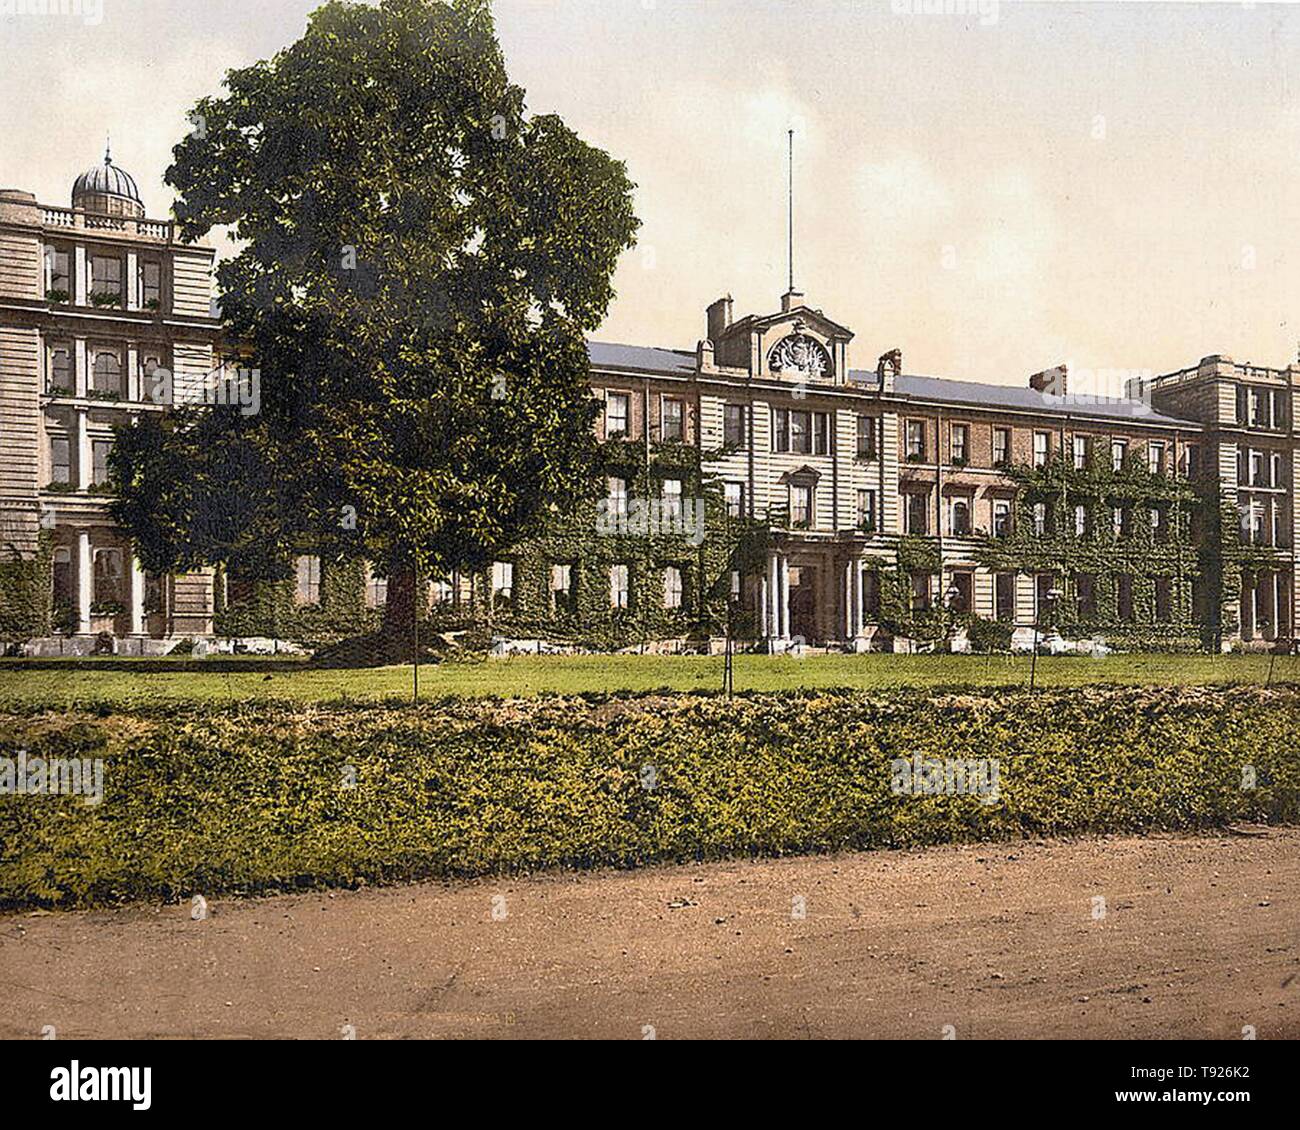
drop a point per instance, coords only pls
(255, 797)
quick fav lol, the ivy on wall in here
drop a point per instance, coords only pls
(272, 610)
(26, 594)
(1142, 556)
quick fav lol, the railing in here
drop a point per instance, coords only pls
(76, 219)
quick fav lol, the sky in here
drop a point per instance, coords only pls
(1107, 185)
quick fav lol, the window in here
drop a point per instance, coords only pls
(1280, 414)
(62, 579)
(1156, 457)
(617, 496)
(867, 510)
(1275, 469)
(376, 590)
(1124, 596)
(1085, 588)
(1001, 447)
(734, 493)
(107, 372)
(1192, 460)
(1243, 405)
(106, 279)
(99, 450)
(1080, 520)
(1164, 599)
(1043, 585)
(916, 513)
(733, 425)
(307, 586)
(866, 437)
(1080, 452)
(150, 284)
(1042, 448)
(1118, 452)
(618, 590)
(920, 592)
(1001, 518)
(616, 409)
(107, 576)
(1004, 598)
(1157, 523)
(562, 587)
(672, 496)
(672, 587)
(959, 517)
(809, 432)
(58, 274)
(503, 580)
(1119, 521)
(60, 378)
(916, 440)
(672, 420)
(800, 432)
(780, 429)
(821, 433)
(1040, 518)
(61, 461)
(1260, 407)
(1257, 469)
(960, 444)
(963, 586)
(801, 502)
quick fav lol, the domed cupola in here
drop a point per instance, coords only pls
(108, 190)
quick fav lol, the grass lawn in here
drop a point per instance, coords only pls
(83, 683)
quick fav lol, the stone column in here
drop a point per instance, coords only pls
(84, 457)
(1247, 615)
(85, 581)
(80, 378)
(859, 612)
(137, 597)
(79, 273)
(764, 624)
(1266, 596)
(848, 602)
(784, 568)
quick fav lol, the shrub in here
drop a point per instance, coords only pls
(262, 797)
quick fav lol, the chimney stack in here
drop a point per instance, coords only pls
(888, 367)
(719, 318)
(1050, 381)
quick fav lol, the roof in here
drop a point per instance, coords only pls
(607, 355)
(108, 180)
(675, 362)
(982, 395)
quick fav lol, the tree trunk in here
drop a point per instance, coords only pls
(400, 607)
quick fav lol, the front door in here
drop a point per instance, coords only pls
(803, 603)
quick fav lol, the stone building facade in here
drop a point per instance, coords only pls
(94, 299)
(845, 507)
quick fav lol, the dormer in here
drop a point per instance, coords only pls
(798, 344)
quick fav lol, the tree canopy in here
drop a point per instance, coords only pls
(420, 264)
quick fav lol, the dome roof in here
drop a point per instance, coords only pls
(106, 180)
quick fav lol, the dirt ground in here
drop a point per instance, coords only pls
(1200, 937)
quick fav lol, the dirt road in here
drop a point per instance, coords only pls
(1200, 937)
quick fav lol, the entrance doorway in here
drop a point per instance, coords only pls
(803, 603)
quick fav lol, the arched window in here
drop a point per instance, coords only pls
(108, 372)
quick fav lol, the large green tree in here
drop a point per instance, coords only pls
(421, 263)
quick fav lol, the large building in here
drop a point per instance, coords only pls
(93, 298)
(853, 508)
